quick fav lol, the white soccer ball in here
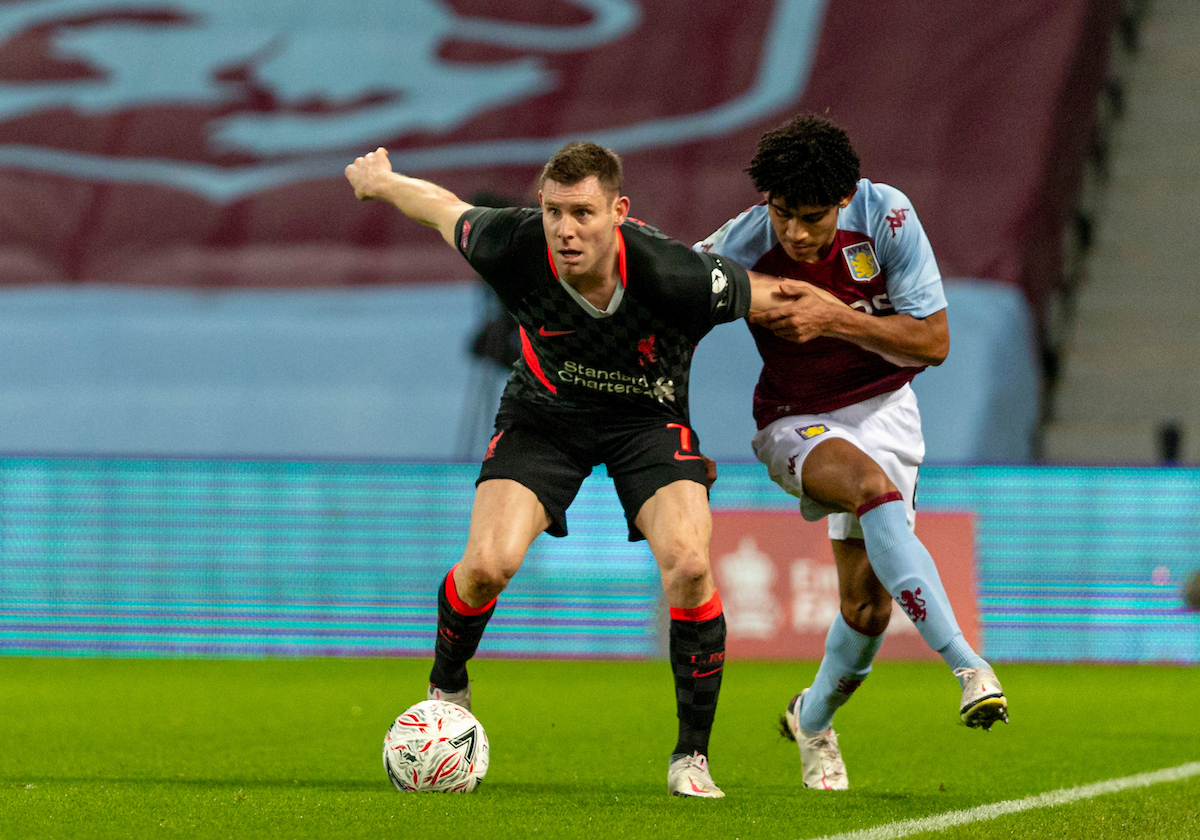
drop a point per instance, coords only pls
(436, 746)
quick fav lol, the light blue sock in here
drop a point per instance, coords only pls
(847, 661)
(958, 654)
(906, 570)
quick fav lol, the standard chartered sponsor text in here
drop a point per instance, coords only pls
(615, 381)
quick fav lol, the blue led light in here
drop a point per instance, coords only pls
(172, 557)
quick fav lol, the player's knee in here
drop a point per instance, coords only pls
(489, 572)
(869, 617)
(683, 563)
(692, 568)
(871, 485)
(483, 585)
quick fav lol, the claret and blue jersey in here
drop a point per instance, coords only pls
(881, 262)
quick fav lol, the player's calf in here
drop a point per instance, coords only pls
(697, 654)
(459, 630)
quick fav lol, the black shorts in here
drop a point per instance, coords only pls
(552, 452)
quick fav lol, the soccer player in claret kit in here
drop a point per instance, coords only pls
(610, 311)
(838, 422)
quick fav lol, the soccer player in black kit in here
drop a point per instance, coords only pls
(609, 312)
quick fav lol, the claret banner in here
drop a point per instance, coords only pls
(202, 142)
(779, 585)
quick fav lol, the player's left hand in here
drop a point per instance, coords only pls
(792, 289)
(806, 316)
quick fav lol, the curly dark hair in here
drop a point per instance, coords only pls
(808, 162)
(578, 160)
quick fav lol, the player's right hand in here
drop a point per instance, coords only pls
(366, 174)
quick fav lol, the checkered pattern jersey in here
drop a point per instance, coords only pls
(634, 361)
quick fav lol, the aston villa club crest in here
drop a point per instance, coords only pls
(860, 259)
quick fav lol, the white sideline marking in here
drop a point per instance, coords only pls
(997, 809)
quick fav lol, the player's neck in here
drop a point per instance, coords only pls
(819, 256)
(598, 287)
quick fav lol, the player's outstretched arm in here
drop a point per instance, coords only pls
(768, 292)
(372, 176)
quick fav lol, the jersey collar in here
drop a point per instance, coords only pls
(587, 305)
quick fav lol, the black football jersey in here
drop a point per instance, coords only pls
(635, 360)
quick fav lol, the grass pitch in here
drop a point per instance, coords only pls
(291, 749)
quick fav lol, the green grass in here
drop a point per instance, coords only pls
(291, 749)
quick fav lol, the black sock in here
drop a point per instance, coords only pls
(459, 630)
(697, 660)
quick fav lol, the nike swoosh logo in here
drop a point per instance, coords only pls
(545, 333)
(698, 675)
(679, 456)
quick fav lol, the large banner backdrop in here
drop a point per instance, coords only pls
(201, 142)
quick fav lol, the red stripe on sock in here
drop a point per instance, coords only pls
(881, 499)
(709, 609)
(460, 606)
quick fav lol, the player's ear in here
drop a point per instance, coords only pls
(621, 208)
(845, 202)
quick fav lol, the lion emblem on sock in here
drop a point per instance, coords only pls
(913, 604)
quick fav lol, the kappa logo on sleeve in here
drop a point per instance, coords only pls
(810, 432)
(896, 219)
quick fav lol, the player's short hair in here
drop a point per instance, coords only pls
(578, 160)
(808, 162)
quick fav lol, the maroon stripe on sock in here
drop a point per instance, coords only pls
(882, 499)
(709, 609)
(460, 606)
(859, 630)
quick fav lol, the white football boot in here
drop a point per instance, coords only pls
(687, 775)
(458, 698)
(821, 764)
(983, 701)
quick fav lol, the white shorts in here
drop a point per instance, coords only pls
(886, 427)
